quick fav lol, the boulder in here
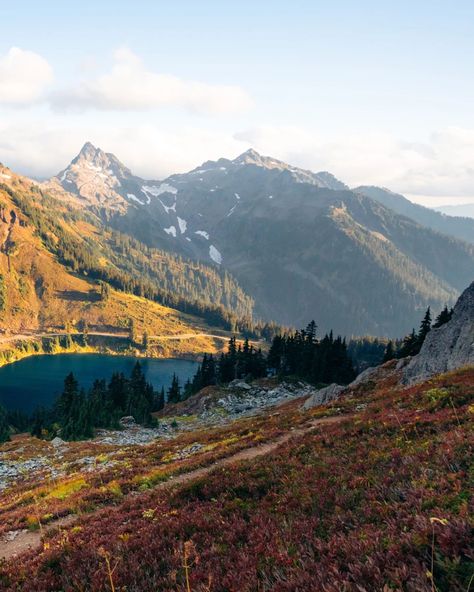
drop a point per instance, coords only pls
(127, 422)
(324, 395)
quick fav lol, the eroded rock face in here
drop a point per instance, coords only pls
(449, 347)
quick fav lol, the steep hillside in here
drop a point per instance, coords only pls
(53, 259)
(454, 224)
(299, 243)
(303, 251)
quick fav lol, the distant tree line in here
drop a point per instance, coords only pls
(297, 354)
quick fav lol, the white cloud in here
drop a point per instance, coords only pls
(24, 75)
(438, 170)
(41, 149)
(129, 86)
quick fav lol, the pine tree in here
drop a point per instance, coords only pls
(4, 426)
(104, 291)
(77, 423)
(174, 392)
(443, 317)
(67, 398)
(408, 346)
(159, 402)
(425, 326)
(140, 396)
(132, 332)
(389, 352)
(39, 422)
(311, 332)
(3, 293)
(208, 371)
(118, 392)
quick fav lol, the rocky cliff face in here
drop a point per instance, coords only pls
(449, 347)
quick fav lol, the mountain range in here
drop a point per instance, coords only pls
(300, 244)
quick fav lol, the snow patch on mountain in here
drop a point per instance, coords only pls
(133, 197)
(237, 195)
(182, 225)
(168, 209)
(203, 233)
(171, 230)
(215, 255)
(156, 190)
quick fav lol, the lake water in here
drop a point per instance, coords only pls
(38, 380)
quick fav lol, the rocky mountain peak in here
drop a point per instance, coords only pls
(88, 151)
(251, 156)
(95, 158)
(449, 347)
(96, 176)
(322, 179)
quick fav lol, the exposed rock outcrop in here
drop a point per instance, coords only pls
(449, 347)
(324, 395)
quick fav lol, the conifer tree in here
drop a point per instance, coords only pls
(4, 426)
(174, 392)
(140, 396)
(389, 352)
(409, 345)
(132, 331)
(443, 317)
(145, 341)
(118, 391)
(67, 398)
(39, 422)
(159, 400)
(425, 326)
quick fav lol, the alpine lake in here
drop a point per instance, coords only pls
(37, 381)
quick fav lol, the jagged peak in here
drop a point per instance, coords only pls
(96, 156)
(250, 153)
(250, 156)
(89, 152)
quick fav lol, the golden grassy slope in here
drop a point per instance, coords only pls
(42, 294)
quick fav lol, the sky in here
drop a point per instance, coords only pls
(378, 93)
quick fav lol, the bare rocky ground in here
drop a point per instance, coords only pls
(214, 407)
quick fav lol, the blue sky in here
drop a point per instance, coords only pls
(376, 92)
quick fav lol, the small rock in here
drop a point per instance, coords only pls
(58, 442)
(128, 422)
(240, 384)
